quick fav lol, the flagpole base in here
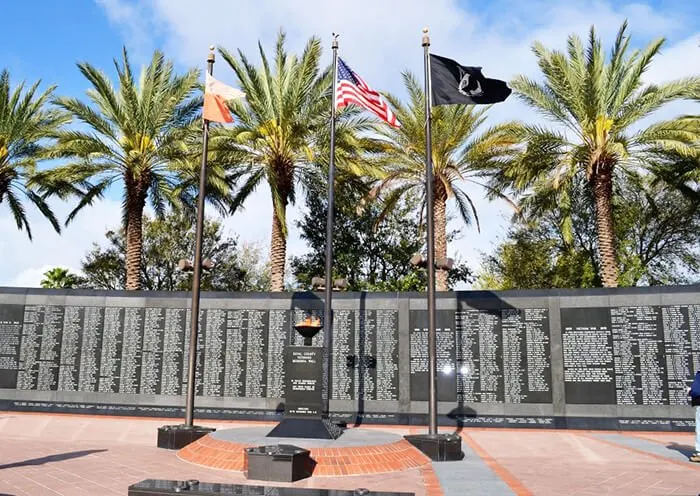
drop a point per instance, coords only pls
(175, 437)
(438, 447)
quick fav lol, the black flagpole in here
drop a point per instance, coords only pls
(439, 447)
(179, 436)
(196, 278)
(328, 312)
(432, 355)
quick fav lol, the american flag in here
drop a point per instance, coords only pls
(353, 89)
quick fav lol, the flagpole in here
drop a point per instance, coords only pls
(432, 339)
(328, 312)
(196, 278)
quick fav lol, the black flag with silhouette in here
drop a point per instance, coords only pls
(454, 83)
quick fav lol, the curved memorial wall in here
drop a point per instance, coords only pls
(611, 359)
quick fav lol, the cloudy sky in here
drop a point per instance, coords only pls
(379, 39)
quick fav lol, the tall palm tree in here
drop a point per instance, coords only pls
(60, 278)
(458, 150)
(281, 134)
(141, 135)
(26, 126)
(595, 102)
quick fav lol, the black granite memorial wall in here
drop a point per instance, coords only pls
(576, 358)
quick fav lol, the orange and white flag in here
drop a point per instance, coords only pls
(216, 94)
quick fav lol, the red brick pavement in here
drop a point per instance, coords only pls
(576, 463)
(80, 455)
(395, 457)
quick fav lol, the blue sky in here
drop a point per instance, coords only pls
(45, 38)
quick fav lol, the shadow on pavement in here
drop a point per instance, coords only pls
(683, 449)
(52, 458)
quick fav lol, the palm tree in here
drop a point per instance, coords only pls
(58, 278)
(457, 152)
(595, 103)
(142, 135)
(281, 134)
(26, 126)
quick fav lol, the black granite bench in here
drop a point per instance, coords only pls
(153, 487)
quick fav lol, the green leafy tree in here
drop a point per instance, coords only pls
(596, 104)
(168, 239)
(371, 248)
(281, 134)
(457, 147)
(60, 278)
(658, 234)
(26, 128)
(657, 231)
(139, 136)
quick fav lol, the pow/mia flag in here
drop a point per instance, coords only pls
(454, 83)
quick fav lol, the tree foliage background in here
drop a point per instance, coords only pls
(167, 240)
(657, 230)
(370, 250)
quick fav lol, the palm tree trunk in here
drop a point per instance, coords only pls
(135, 203)
(602, 194)
(278, 252)
(439, 214)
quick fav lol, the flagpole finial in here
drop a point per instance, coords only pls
(426, 37)
(334, 44)
(210, 56)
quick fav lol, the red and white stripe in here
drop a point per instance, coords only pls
(361, 94)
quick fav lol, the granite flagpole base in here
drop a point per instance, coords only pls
(175, 437)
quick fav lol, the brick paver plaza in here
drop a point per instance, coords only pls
(43, 454)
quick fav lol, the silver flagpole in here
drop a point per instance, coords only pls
(328, 312)
(432, 340)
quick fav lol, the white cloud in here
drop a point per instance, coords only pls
(30, 259)
(378, 46)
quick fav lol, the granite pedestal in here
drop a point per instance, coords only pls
(279, 462)
(175, 437)
(438, 447)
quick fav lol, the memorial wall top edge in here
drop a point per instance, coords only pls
(444, 299)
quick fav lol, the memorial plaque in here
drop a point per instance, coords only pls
(152, 351)
(365, 355)
(11, 317)
(503, 355)
(638, 345)
(198, 371)
(538, 355)
(256, 353)
(446, 355)
(694, 328)
(479, 363)
(678, 347)
(589, 370)
(70, 348)
(132, 346)
(277, 333)
(235, 359)
(343, 377)
(111, 351)
(386, 371)
(649, 349)
(218, 337)
(40, 349)
(173, 347)
(303, 389)
(90, 348)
